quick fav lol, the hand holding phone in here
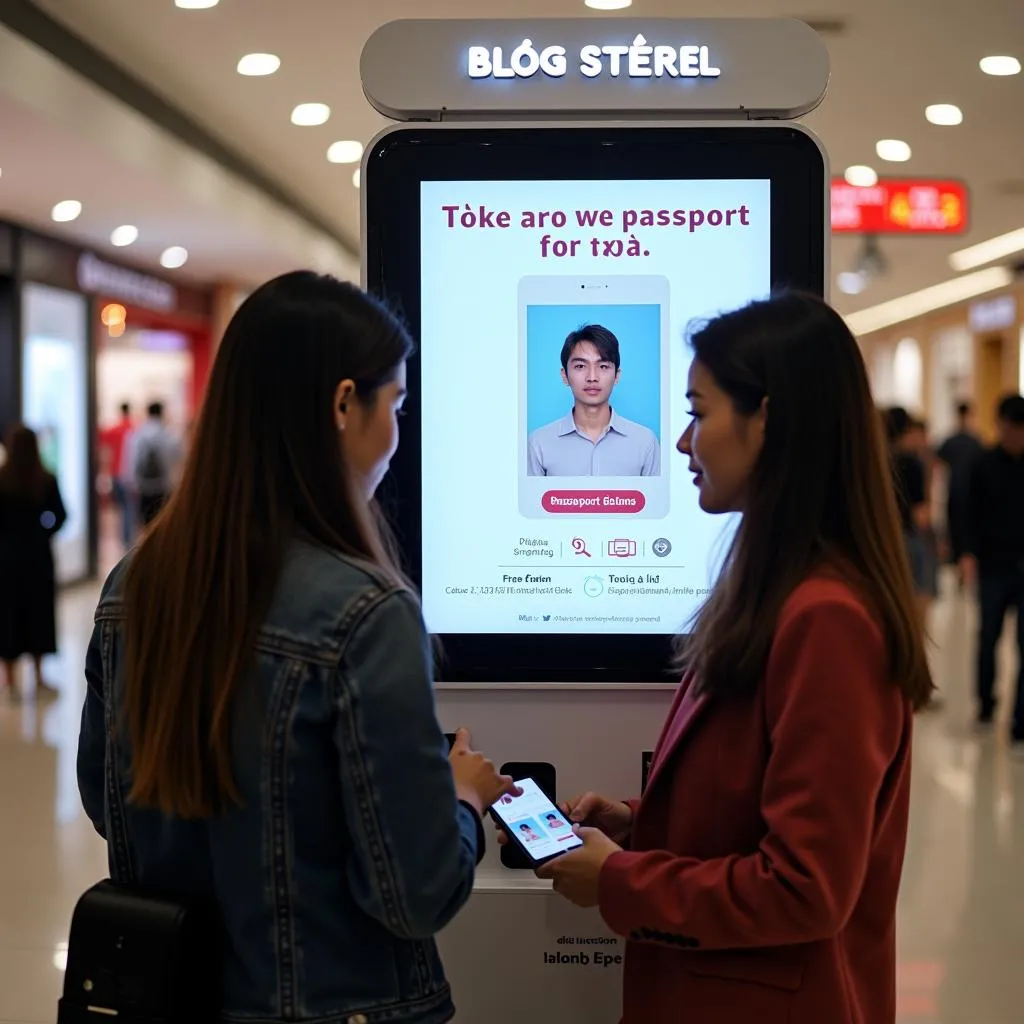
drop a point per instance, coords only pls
(477, 781)
(534, 823)
(612, 817)
(591, 810)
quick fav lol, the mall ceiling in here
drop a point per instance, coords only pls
(890, 59)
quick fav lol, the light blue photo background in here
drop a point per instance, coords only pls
(637, 396)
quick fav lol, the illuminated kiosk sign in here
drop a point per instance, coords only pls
(433, 70)
(637, 60)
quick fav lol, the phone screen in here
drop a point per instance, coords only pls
(537, 824)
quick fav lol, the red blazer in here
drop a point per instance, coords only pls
(762, 875)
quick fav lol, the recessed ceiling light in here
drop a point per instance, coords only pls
(66, 210)
(257, 64)
(174, 257)
(124, 235)
(309, 114)
(1000, 66)
(894, 150)
(851, 283)
(989, 251)
(348, 151)
(195, 5)
(608, 5)
(944, 113)
(356, 177)
(861, 176)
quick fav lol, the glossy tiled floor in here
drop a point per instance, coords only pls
(962, 909)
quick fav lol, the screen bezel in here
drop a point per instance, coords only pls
(404, 157)
(510, 832)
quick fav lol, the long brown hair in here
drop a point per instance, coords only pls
(23, 474)
(821, 493)
(264, 466)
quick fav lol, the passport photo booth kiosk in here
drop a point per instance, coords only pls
(549, 175)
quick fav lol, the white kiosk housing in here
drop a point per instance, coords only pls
(550, 175)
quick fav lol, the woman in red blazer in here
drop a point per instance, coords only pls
(756, 880)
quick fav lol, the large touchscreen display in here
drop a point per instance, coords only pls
(553, 323)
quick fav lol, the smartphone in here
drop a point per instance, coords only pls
(543, 773)
(535, 825)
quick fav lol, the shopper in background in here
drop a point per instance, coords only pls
(113, 445)
(912, 499)
(31, 512)
(994, 552)
(917, 440)
(958, 453)
(919, 445)
(757, 878)
(155, 455)
(275, 747)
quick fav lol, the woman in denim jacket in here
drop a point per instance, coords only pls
(259, 727)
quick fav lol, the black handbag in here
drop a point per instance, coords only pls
(141, 958)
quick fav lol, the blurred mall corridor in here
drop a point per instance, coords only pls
(161, 160)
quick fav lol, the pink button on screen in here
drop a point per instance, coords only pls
(593, 502)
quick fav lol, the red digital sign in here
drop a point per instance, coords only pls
(897, 206)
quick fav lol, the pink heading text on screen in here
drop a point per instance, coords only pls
(479, 217)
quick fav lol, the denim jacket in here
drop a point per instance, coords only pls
(350, 850)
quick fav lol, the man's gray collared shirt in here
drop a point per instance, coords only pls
(624, 449)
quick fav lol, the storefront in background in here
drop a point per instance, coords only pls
(970, 352)
(152, 340)
(59, 349)
(55, 404)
